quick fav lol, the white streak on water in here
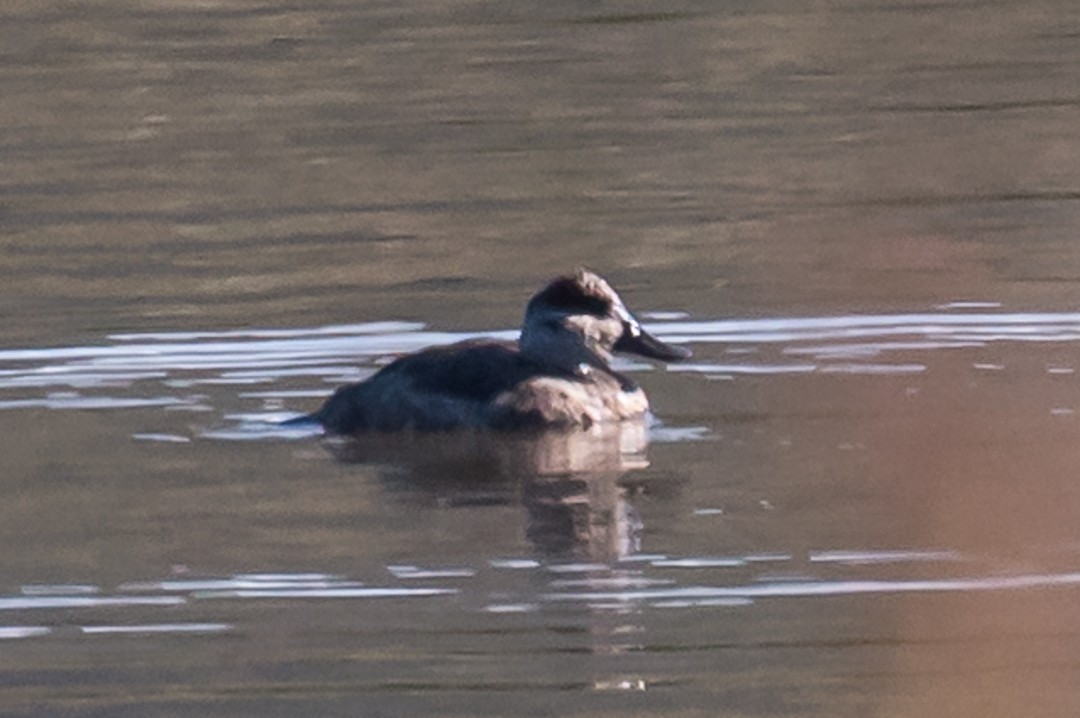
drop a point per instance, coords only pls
(514, 563)
(329, 593)
(809, 589)
(969, 305)
(285, 394)
(10, 603)
(158, 628)
(701, 562)
(59, 589)
(286, 577)
(862, 350)
(511, 608)
(223, 584)
(642, 558)
(415, 572)
(873, 369)
(745, 368)
(612, 582)
(12, 632)
(578, 567)
(877, 557)
(162, 438)
(90, 402)
(703, 603)
(51, 376)
(767, 557)
(342, 353)
(259, 431)
(859, 325)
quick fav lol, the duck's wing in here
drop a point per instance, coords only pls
(435, 389)
(476, 370)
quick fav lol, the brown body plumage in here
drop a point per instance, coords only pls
(558, 375)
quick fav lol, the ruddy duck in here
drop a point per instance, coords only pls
(558, 375)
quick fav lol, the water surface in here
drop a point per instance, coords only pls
(858, 498)
(910, 508)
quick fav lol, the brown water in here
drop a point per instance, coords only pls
(860, 498)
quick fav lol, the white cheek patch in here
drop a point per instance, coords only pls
(629, 323)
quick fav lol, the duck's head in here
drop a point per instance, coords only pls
(579, 321)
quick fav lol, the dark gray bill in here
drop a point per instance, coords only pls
(635, 340)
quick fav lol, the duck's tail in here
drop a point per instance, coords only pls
(301, 420)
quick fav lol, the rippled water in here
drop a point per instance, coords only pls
(859, 498)
(812, 500)
(857, 344)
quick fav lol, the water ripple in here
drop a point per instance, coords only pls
(152, 628)
(845, 344)
(809, 588)
(308, 593)
(11, 632)
(23, 603)
(526, 585)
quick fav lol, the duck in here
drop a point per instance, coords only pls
(558, 375)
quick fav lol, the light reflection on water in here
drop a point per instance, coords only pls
(173, 167)
(596, 515)
(289, 361)
(329, 355)
(655, 582)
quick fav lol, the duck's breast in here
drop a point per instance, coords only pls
(547, 401)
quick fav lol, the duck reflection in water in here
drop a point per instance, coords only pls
(572, 484)
(546, 421)
(558, 375)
